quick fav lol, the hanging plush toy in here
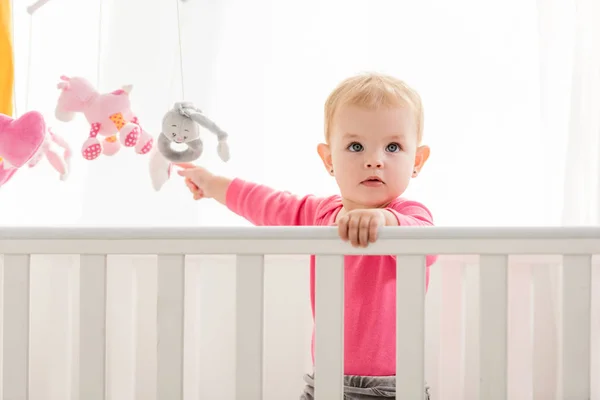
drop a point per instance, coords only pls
(181, 126)
(109, 115)
(49, 149)
(20, 140)
(26, 141)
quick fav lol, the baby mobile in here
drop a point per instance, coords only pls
(27, 139)
(181, 126)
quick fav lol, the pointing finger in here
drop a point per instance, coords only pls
(185, 165)
(184, 172)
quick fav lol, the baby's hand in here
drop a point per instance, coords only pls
(360, 226)
(197, 179)
(196, 192)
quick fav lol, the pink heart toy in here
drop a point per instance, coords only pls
(20, 139)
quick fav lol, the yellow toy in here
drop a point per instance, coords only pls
(6, 60)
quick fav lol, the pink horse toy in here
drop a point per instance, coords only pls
(109, 115)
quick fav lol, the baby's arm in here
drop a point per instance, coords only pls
(410, 213)
(407, 213)
(360, 226)
(262, 205)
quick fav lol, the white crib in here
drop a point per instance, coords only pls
(484, 363)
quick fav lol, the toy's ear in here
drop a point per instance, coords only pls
(223, 150)
(127, 88)
(63, 85)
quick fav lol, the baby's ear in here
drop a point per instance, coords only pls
(421, 156)
(325, 154)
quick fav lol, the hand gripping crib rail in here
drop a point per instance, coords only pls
(493, 246)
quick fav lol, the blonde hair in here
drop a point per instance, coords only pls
(373, 90)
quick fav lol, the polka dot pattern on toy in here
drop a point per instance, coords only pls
(95, 129)
(132, 138)
(147, 147)
(92, 152)
(118, 120)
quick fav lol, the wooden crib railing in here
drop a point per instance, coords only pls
(492, 246)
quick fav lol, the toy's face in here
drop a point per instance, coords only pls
(179, 129)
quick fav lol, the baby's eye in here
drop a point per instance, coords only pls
(393, 147)
(355, 146)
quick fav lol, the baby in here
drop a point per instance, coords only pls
(373, 148)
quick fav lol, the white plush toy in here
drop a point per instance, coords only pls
(181, 126)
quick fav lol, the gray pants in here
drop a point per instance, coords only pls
(360, 388)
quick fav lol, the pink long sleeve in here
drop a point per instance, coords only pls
(410, 213)
(264, 206)
(369, 281)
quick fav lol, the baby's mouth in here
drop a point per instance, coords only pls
(372, 181)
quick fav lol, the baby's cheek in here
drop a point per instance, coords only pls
(345, 162)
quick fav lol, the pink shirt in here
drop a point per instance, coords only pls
(370, 281)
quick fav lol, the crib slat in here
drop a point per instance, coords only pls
(545, 333)
(493, 327)
(15, 326)
(576, 327)
(410, 323)
(92, 327)
(249, 327)
(329, 328)
(170, 319)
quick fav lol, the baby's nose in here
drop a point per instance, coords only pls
(373, 164)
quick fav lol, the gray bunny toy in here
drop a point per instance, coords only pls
(181, 125)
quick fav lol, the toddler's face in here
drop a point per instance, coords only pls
(373, 154)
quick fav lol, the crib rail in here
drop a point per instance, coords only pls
(492, 246)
